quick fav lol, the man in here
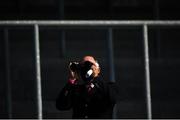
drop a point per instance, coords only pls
(86, 93)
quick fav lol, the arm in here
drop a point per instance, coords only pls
(64, 99)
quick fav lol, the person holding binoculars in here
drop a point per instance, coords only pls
(86, 93)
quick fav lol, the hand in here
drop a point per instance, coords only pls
(72, 78)
(73, 75)
(96, 70)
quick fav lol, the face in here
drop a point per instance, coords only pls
(94, 66)
(86, 71)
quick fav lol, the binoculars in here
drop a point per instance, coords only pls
(83, 69)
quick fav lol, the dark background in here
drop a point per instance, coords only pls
(128, 54)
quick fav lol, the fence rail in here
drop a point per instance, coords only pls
(94, 23)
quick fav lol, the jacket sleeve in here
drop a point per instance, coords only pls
(64, 99)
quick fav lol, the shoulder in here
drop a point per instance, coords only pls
(100, 83)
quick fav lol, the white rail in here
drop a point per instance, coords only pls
(95, 23)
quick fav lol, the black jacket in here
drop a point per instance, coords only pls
(98, 103)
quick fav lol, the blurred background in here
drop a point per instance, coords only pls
(59, 46)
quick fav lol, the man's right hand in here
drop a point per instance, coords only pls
(72, 78)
